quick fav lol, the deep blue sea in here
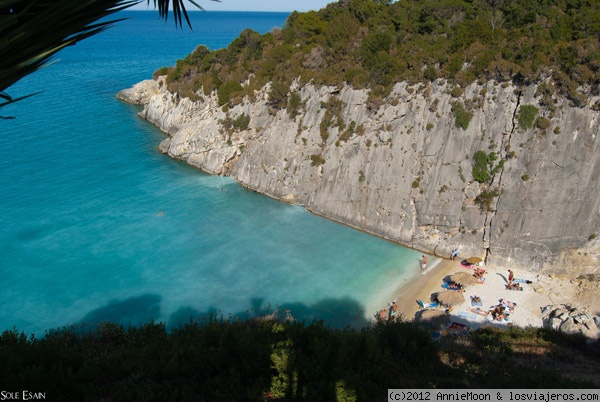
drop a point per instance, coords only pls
(97, 225)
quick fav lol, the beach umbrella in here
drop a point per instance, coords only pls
(450, 297)
(474, 260)
(463, 278)
(433, 318)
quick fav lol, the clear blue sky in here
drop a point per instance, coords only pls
(248, 5)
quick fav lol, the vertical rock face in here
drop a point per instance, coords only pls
(403, 170)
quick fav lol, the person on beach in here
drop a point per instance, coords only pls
(454, 254)
(423, 263)
(511, 276)
(393, 308)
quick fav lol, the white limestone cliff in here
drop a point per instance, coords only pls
(404, 173)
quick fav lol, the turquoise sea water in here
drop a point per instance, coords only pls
(97, 225)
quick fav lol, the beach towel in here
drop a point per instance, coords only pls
(507, 304)
(428, 305)
(504, 321)
(457, 327)
(478, 311)
(466, 314)
(518, 280)
(520, 288)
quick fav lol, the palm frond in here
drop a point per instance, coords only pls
(33, 31)
(178, 10)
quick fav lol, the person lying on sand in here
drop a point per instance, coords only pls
(513, 286)
(454, 286)
(507, 304)
(478, 273)
(498, 313)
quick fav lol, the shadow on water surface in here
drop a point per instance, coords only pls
(335, 313)
(129, 312)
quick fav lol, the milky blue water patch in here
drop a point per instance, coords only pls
(97, 225)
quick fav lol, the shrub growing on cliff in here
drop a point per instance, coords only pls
(542, 123)
(294, 104)
(317, 160)
(160, 72)
(485, 198)
(480, 167)
(462, 117)
(484, 167)
(526, 116)
(226, 91)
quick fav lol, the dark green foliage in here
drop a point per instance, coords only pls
(278, 95)
(294, 104)
(480, 167)
(373, 44)
(33, 32)
(161, 71)
(226, 91)
(527, 115)
(484, 167)
(241, 123)
(462, 117)
(262, 359)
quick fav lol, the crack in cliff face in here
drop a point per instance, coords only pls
(504, 156)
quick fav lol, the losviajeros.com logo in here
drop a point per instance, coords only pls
(23, 395)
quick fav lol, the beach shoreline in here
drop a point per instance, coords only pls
(538, 291)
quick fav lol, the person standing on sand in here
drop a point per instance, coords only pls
(454, 254)
(511, 276)
(423, 263)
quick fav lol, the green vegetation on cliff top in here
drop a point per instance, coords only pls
(373, 44)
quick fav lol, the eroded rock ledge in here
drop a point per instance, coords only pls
(404, 171)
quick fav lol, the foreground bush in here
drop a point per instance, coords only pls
(260, 360)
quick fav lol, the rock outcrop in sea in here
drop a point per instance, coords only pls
(403, 169)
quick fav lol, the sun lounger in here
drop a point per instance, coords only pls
(427, 305)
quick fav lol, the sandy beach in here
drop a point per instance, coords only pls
(543, 290)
